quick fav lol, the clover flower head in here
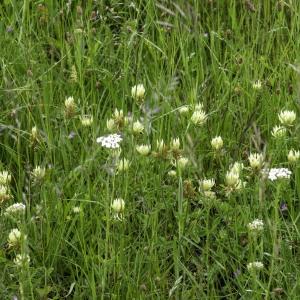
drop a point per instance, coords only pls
(198, 117)
(293, 156)
(217, 143)
(22, 259)
(278, 131)
(143, 149)
(287, 117)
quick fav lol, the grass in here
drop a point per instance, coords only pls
(171, 240)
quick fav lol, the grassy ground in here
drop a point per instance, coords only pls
(174, 237)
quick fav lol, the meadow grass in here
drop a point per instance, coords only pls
(100, 223)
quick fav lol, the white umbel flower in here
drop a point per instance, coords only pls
(199, 117)
(256, 160)
(278, 131)
(111, 141)
(256, 225)
(256, 265)
(143, 149)
(4, 193)
(16, 208)
(277, 173)
(287, 117)
(293, 156)
(217, 143)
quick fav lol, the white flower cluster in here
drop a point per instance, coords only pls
(111, 141)
(256, 225)
(256, 265)
(17, 208)
(277, 173)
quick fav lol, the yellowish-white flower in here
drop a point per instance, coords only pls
(118, 114)
(110, 125)
(237, 167)
(86, 121)
(183, 110)
(207, 184)
(76, 209)
(34, 133)
(232, 179)
(182, 162)
(287, 117)
(5, 178)
(70, 106)
(175, 144)
(256, 160)
(257, 85)
(160, 144)
(199, 107)
(4, 193)
(123, 165)
(172, 173)
(278, 131)
(217, 143)
(118, 205)
(14, 237)
(138, 127)
(198, 117)
(143, 149)
(38, 173)
(209, 194)
(138, 92)
(293, 156)
(22, 259)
